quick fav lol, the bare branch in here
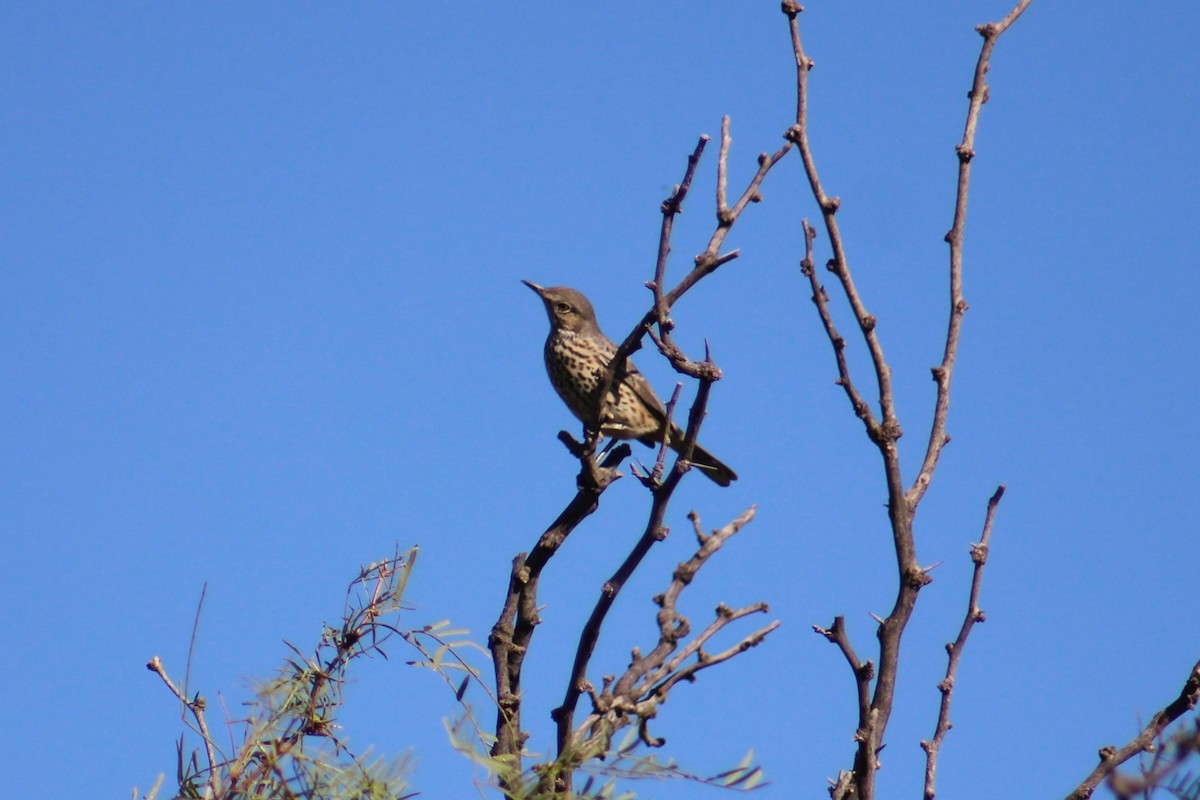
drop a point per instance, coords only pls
(196, 706)
(672, 626)
(863, 672)
(513, 631)
(705, 264)
(647, 683)
(654, 532)
(820, 298)
(1166, 759)
(943, 373)
(885, 431)
(1112, 757)
(672, 206)
(656, 475)
(979, 554)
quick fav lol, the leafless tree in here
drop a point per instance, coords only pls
(631, 698)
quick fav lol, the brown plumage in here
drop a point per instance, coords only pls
(577, 354)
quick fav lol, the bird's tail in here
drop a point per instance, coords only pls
(712, 467)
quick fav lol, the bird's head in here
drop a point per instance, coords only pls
(567, 308)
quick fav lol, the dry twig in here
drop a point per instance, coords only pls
(1112, 757)
(954, 650)
(885, 430)
(513, 631)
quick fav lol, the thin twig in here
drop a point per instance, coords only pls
(656, 475)
(1112, 757)
(863, 671)
(197, 707)
(187, 672)
(943, 373)
(820, 298)
(979, 555)
(672, 206)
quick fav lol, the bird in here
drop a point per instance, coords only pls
(577, 355)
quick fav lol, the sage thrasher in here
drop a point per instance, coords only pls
(577, 355)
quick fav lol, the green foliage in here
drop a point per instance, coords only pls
(290, 749)
(602, 771)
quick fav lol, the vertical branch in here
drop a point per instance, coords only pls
(885, 431)
(672, 206)
(942, 373)
(979, 554)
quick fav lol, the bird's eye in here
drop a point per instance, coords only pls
(562, 308)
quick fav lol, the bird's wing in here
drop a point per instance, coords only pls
(642, 388)
(635, 380)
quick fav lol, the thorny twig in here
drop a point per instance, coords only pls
(979, 554)
(646, 684)
(885, 430)
(513, 631)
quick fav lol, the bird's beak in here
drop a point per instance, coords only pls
(535, 287)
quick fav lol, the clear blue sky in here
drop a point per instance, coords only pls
(262, 320)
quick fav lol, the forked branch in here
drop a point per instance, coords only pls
(884, 430)
(513, 631)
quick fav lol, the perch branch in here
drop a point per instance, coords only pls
(654, 532)
(513, 631)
